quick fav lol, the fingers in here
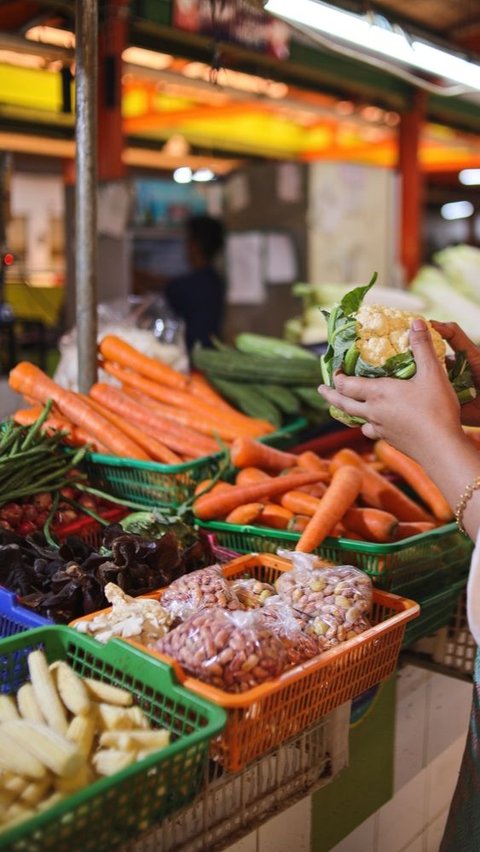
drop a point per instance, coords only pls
(371, 431)
(421, 344)
(351, 406)
(454, 335)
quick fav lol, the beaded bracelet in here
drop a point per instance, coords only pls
(462, 503)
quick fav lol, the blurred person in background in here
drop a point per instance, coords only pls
(197, 296)
(422, 418)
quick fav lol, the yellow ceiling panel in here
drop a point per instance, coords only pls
(29, 87)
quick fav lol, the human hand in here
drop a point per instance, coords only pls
(460, 342)
(417, 415)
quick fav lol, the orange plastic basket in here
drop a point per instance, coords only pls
(264, 717)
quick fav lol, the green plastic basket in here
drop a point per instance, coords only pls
(114, 810)
(436, 610)
(413, 566)
(155, 484)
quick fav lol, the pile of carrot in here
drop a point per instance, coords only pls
(152, 413)
(346, 495)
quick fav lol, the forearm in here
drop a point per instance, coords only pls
(452, 471)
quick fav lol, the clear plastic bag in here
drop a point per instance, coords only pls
(252, 593)
(233, 651)
(198, 590)
(292, 628)
(310, 589)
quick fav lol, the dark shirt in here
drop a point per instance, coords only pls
(198, 298)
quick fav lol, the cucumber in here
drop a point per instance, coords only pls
(311, 397)
(282, 397)
(270, 347)
(248, 399)
(238, 366)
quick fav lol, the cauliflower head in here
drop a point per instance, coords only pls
(382, 332)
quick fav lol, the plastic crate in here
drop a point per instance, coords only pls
(436, 610)
(155, 484)
(267, 715)
(230, 806)
(413, 566)
(115, 809)
(88, 529)
(14, 618)
(455, 648)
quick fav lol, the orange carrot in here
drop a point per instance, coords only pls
(245, 452)
(378, 492)
(202, 423)
(249, 475)
(300, 503)
(317, 489)
(416, 477)
(76, 436)
(115, 349)
(158, 451)
(171, 396)
(245, 514)
(275, 516)
(212, 506)
(298, 523)
(28, 379)
(311, 461)
(371, 524)
(343, 490)
(406, 530)
(208, 423)
(178, 438)
(202, 388)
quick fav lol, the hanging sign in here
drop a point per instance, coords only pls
(233, 21)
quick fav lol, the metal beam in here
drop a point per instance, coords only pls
(86, 191)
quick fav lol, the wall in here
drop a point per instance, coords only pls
(352, 224)
(39, 198)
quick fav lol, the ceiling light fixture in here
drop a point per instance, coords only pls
(183, 175)
(378, 38)
(203, 175)
(51, 35)
(469, 177)
(457, 210)
(147, 58)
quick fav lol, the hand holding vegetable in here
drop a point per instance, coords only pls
(373, 341)
(406, 414)
(461, 343)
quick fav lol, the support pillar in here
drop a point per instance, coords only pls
(112, 40)
(411, 185)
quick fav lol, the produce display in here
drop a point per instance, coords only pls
(202, 589)
(372, 340)
(350, 494)
(233, 651)
(265, 377)
(42, 486)
(142, 619)
(67, 582)
(152, 413)
(60, 733)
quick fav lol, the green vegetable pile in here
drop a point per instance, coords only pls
(343, 352)
(265, 377)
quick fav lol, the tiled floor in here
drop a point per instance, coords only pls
(431, 726)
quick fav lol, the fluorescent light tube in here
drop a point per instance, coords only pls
(457, 210)
(469, 177)
(378, 39)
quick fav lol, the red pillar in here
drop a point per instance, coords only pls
(112, 39)
(411, 185)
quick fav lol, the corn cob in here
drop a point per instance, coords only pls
(46, 693)
(72, 689)
(17, 759)
(28, 704)
(109, 761)
(8, 709)
(47, 746)
(110, 694)
(81, 731)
